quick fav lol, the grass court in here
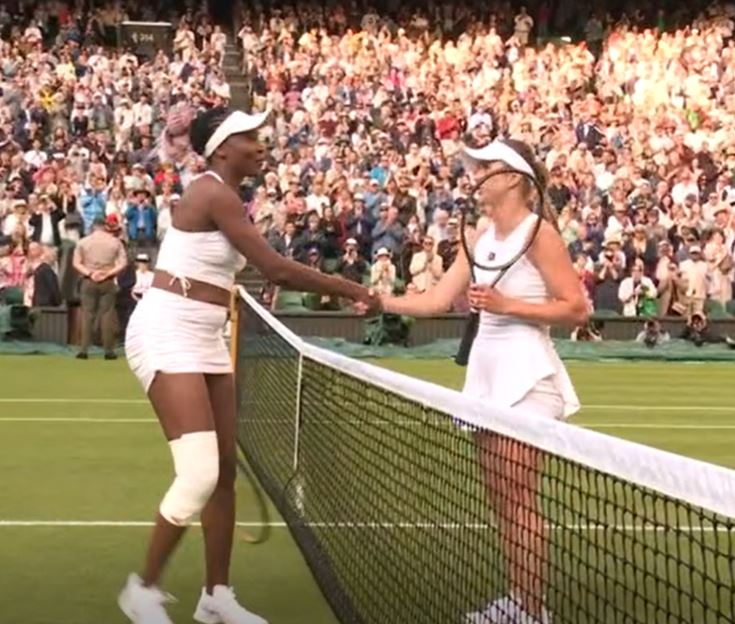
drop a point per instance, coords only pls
(84, 466)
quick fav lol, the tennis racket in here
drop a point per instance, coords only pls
(473, 321)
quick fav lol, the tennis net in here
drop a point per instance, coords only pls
(415, 504)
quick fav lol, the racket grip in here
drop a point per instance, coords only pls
(470, 333)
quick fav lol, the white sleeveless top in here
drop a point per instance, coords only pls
(203, 256)
(510, 355)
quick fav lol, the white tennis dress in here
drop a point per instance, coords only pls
(171, 333)
(513, 363)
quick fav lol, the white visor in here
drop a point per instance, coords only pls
(498, 151)
(235, 123)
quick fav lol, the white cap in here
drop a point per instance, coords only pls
(383, 251)
(351, 241)
(695, 249)
(235, 123)
(497, 151)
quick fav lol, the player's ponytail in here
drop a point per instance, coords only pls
(539, 170)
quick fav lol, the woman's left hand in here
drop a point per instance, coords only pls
(488, 299)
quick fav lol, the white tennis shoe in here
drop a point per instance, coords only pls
(222, 608)
(506, 610)
(144, 605)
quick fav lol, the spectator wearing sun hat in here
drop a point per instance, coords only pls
(143, 276)
(19, 215)
(140, 217)
(383, 273)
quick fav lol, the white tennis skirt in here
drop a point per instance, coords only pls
(169, 333)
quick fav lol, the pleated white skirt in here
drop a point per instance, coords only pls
(169, 333)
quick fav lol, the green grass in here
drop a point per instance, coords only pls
(117, 471)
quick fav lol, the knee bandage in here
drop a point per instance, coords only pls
(196, 462)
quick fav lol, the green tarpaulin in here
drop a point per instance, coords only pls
(675, 351)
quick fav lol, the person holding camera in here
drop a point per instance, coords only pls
(637, 292)
(652, 335)
(93, 202)
(449, 247)
(591, 331)
(699, 332)
(351, 266)
(609, 274)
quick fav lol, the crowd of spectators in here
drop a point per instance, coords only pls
(90, 131)
(633, 116)
(632, 113)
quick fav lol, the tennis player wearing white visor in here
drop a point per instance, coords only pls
(175, 346)
(513, 363)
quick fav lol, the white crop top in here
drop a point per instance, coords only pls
(202, 256)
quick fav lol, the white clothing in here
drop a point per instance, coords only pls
(47, 232)
(171, 333)
(630, 293)
(425, 273)
(513, 360)
(164, 221)
(143, 282)
(695, 274)
(317, 202)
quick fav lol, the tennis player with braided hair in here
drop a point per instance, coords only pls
(175, 347)
(513, 362)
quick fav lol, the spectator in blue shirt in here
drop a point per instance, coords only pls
(374, 198)
(93, 201)
(388, 232)
(381, 171)
(141, 218)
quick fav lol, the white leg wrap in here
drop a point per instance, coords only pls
(196, 462)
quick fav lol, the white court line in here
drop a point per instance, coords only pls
(453, 526)
(81, 419)
(67, 400)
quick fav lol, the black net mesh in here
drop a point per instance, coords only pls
(407, 515)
